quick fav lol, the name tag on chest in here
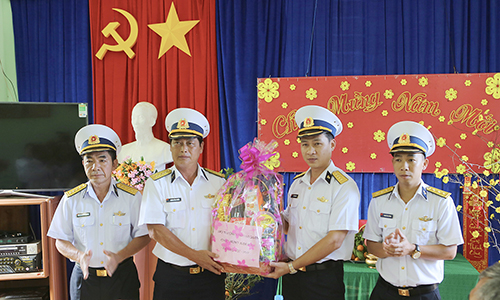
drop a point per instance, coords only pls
(170, 200)
(387, 216)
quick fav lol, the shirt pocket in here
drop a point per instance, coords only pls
(318, 215)
(387, 226)
(176, 214)
(120, 226)
(424, 233)
(206, 208)
(85, 227)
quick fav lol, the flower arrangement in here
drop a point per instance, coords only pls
(134, 174)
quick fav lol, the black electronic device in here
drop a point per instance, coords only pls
(28, 293)
(20, 258)
(9, 237)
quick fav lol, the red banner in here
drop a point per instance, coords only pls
(476, 225)
(458, 109)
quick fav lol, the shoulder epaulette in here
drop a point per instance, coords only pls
(214, 173)
(383, 192)
(340, 177)
(127, 188)
(76, 190)
(438, 192)
(160, 174)
(300, 175)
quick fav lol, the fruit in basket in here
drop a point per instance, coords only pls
(359, 252)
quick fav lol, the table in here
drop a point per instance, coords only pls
(460, 277)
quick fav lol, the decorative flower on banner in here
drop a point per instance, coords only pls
(492, 160)
(458, 146)
(350, 125)
(373, 156)
(459, 207)
(388, 94)
(298, 140)
(368, 83)
(292, 87)
(451, 94)
(438, 164)
(284, 105)
(494, 182)
(438, 174)
(344, 85)
(483, 193)
(463, 136)
(379, 135)
(423, 81)
(385, 113)
(344, 150)
(403, 82)
(486, 245)
(446, 179)
(311, 94)
(467, 83)
(441, 142)
(491, 144)
(273, 162)
(493, 86)
(286, 142)
(268, 90)
(441, 118)
(263, 122)
(350, 166)
(487, 229)
(475, 234)
(484, 102)
(295, 155)
(465, 158)
(134, 174)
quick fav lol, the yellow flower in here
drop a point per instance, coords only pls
(388, 94)
(441, 118)
(475, 234)
(484, 102)
(451, 94)
(467, 83)
(350, 125)
(284, 105)
(295, 154)
(486, 245)
(497, 197)
(463, 136)
(268, 90)
(497, 209)
(441, 142)
(385, 113)
(311, 94)
(403, 81)
(423, 81)
(286, 142)
(379, 136)
(492, 216)
(493, 182)
(488, 203)
(292, 87)
(492, 160)
(460, 169)
(491, 144)
(474, 185)
(298, 140)
(273, 161)
(350, 166)
(438, 174)
(344, 85)
(458, 146)
(263, 122)
(487, 229)
(344, 150)
(486, 173)
(465, 158)
(459, 207)
(493, 86)
(373, 156)
(446, 179)
(445, 171)
(368, 83)
(483, 193)
(438, 164)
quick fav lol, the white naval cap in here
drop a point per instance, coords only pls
(186, 122)
(96, 137)
(313, 119)
(409, 136)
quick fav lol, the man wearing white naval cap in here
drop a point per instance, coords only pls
(176, 207)
(411, 226)
(321, 215)
(96, 223)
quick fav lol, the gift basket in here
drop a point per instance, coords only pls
(247, 229)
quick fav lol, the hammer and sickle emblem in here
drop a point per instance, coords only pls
(122, 45)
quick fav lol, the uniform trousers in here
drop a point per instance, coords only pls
(319, 281)
(123, 285)
(385, 291)
(176, 283)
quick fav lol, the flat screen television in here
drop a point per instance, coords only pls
(37, 149)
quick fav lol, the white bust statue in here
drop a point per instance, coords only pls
(144, 115)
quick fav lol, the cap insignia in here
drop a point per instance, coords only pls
(94, 140)
(308, 122)
(183, 124)
(404, 139)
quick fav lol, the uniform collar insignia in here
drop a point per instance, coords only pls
(204, 174)
(425, 219)
(173, 176)
(328, 177)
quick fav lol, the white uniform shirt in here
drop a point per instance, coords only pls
(314, 210)
(427, 219)
(91, 225)
(184, 209)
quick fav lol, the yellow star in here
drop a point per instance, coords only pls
(173, 32)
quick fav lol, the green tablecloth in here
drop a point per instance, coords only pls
(460, 277)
